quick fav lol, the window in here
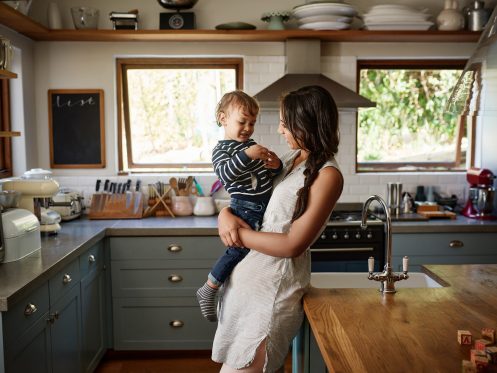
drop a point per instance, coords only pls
(5, 142)
(167, 111)
(410, 129)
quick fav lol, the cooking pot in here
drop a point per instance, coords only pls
(177, 4)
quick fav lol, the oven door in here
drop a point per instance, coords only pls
(347, 249)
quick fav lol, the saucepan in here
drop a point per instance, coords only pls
(177, 4)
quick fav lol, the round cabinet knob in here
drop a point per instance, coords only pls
(30, 309)
(369, 235)
(358, 235)
(176, 323)
(346, 235)
(335, 236)
(175, 278)
(323, 236)
(91, 258)
(66, 279)
(174, 248)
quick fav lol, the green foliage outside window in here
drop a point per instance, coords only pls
(409, 123)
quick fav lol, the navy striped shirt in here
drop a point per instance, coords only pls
(242, 177)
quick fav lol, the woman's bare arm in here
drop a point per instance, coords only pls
(323, 195)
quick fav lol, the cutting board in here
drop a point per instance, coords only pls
(438, 214)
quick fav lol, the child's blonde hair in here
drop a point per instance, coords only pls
(239, 98)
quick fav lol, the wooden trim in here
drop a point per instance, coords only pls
(125, 155)
(6, 142)
(100, 93)
(413, 64)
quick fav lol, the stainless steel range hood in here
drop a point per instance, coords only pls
(303, 67)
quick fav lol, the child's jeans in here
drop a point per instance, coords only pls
(251, 213)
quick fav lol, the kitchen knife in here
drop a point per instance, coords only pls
(97, 197)
(106, 185)
(128, 185)
(104, 196)
(138, 185)
(126, 189)
(137, 197)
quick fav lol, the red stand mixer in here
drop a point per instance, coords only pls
(480, 202)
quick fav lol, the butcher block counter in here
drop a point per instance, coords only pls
(413, 330)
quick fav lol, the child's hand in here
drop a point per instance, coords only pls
(257, 152)
(272, 162)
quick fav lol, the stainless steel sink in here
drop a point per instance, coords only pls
(359, 280)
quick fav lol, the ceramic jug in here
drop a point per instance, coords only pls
(450, 18)
(181, 205)
(204, 206)
(53, 16)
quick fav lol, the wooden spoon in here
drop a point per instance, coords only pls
(173, 182)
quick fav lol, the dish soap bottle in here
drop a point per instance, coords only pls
(450, 19)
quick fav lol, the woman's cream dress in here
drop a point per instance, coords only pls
(263, 297)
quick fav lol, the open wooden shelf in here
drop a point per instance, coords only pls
(9, 133)
(26, 26)
(6, 74)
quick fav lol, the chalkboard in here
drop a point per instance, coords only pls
(77, 130)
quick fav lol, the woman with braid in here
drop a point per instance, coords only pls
(261, 309)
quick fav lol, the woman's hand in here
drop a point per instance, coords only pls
(228, 225)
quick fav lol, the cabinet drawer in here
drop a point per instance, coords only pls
(126, 248)
(25, 313)
(91, 260)
(64, 280)
(167, 323)
(462, 244)
(147, 278)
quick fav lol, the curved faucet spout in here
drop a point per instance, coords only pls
(388, 225)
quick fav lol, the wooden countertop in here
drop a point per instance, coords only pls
(413, 330)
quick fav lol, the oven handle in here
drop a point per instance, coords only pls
(343, 249)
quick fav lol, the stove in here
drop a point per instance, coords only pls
(344, 246)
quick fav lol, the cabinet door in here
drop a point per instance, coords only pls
(93, 315)
(31, 353)
(66, 332)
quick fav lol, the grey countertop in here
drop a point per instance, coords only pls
(18, 278)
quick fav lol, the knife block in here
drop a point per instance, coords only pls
(128, 205)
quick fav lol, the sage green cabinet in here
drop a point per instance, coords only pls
(59, 327)
(93, 307)
(154, 281)
(443, 248)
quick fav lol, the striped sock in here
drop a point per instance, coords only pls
(206, 297)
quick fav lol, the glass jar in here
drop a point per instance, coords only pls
(181, 206)
(204, 206)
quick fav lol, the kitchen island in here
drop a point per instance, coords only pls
(413, 330)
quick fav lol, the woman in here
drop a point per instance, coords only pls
(261, 309)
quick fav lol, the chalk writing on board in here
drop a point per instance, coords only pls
(60, 102)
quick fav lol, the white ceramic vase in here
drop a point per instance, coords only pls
(53, 16)
(450, 18)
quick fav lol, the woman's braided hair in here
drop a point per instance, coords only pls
(311, 116)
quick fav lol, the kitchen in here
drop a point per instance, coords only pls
(44, 65)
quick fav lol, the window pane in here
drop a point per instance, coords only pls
(409, 129)
(171, 113)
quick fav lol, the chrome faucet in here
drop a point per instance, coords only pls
(387, 277)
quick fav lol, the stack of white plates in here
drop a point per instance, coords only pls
(324, 15)
(396, 17)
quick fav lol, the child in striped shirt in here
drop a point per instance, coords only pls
(246, 170)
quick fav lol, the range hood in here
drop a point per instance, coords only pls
(303, 67)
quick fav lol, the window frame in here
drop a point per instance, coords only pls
(125, 156)
(5, 125)
(392, 167)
